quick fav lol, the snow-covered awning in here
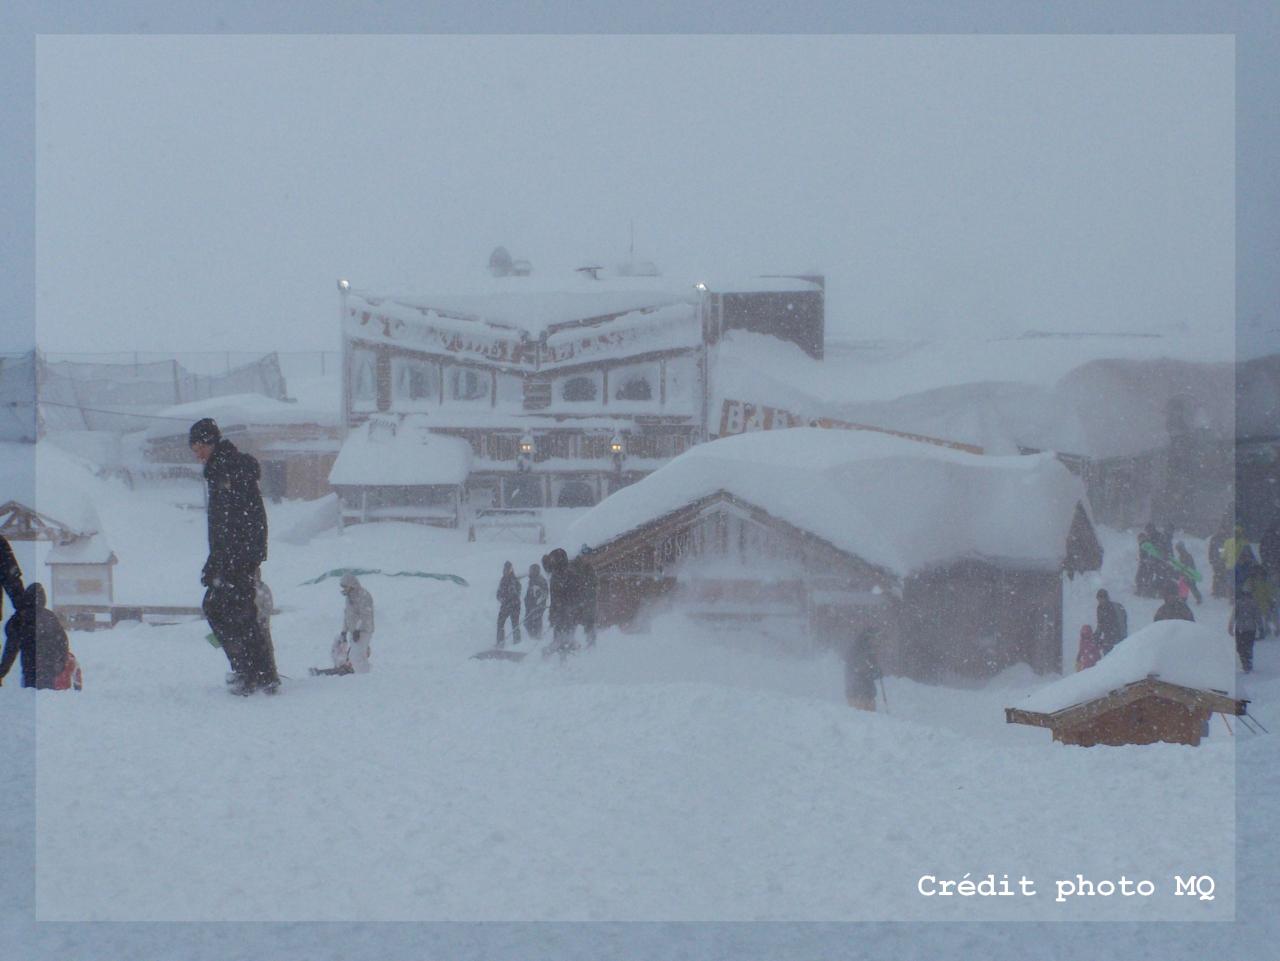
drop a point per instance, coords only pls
(237, 410)
(400, 452)
(899, 504)
(93, 549)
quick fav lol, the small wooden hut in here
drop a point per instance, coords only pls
(1162, 683)
(1143, 712)
(957, 559)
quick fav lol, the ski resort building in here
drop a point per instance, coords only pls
(564, 389)
(956, 558)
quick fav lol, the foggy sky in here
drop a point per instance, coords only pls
(206, 192)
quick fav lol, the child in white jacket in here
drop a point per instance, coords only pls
(350, 649)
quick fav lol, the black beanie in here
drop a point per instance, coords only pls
(203, 431)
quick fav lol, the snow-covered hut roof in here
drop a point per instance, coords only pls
(896, 503)
(1176, 652)
(387, 452)
(83, 550)
(237, 410)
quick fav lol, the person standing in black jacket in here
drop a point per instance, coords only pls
(35, 633)
(10, 575)
(535, 602)
(508, 604)
(1112, 625)
(237, 548)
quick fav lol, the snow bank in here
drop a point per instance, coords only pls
(1179, 652)
(900, 504)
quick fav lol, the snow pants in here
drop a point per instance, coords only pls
(533, 622)
(352, 653)
(233, 617)
(1244, 648)
(509, 612)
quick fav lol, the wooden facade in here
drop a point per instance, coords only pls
(724, 559)
(295, 458)
(1143, 712)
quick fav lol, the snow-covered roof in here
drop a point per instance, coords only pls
(900, 504)
(1096, 395)
(235, 410)
(83, 550)
(386, 451)
(1177, 652)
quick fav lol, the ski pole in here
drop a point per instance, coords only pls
(883, 695)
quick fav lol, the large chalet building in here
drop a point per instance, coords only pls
(565, 389)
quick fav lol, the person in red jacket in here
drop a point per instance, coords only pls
(1088, 653)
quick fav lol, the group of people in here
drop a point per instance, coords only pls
(1251, 581)
(568, 599)
(33, 636)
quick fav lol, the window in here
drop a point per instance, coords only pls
(636, 382)
(467, 383)
(524, 491)
(576, 493)
(635, 387)
(364, 380)
(578, 389)
(503, 446)
(414, 382)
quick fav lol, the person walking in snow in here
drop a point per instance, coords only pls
(35, 633)
(1217, 562)
(1113, 624)
(508, 605)
(1144, 582)
(237, 548)
(1174, 608)
(1190, 575)
(560, 615)
(535, 602)
(583, 591)
(1087, 654)
(10, 575)
(352, 649)
(1245, 625)
(861, 671)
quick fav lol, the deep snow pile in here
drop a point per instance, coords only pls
(676, 775)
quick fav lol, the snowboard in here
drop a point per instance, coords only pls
(499, 653)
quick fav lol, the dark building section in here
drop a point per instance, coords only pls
(797, 315)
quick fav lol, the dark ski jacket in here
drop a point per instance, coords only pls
(509, 591)
(582, 590)
(35, 633)
(237, 519)
(10, 574)
(559, 592)
(1111, 626)
(535, 595)
(1174, 610)
(1246, 618)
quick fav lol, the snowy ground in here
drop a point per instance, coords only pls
(665, 777)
